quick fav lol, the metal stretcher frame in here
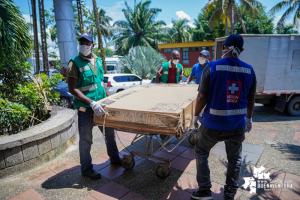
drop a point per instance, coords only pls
(163, 144)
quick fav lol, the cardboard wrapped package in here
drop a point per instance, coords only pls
(155, 108)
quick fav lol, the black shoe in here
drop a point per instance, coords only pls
(227, 198)
(202, 195)
(92, 174)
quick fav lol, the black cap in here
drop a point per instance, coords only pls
(87, 36)
(236, 39)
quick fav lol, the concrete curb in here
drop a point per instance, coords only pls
(39, 139)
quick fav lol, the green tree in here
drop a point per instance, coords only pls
(104, 21)
(142, 61)
(15, 38)
(293, 9)
(202, 31)
(228, 10)
(180, 31)
(107, 52)
(288, 29)
(139, 28)
(262, 24)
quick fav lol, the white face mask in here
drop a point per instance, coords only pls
(202, 60)
(85, 50)
(175, 61)
(235, 51)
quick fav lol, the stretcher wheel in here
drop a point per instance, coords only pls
(128, 161)
(163, 137)
(192, 139)
(163, 170)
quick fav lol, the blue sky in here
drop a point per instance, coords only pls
(171, 9)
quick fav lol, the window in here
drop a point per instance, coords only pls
(105, 79)
(110, 67)
(205, 48)
(122, 78)
(195, 49)
(135, 78)
(167, 50)
(296, 59)
(185, 56)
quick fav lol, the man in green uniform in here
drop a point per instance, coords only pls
(85, 80)
(171, 71)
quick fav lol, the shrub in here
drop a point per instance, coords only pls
(187, 72)
(142, 61)
(25, 102)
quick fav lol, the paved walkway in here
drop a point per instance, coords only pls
(271, 155)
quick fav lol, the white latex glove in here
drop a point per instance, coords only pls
(248, 124)
(195, 121)
(98, 108)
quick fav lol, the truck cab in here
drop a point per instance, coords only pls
(112, 64)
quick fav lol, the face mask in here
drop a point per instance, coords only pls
(235, 51)
(175, 61)
(202, 60)
(85, 50)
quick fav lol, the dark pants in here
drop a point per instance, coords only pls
(85, 126)
(206, 139)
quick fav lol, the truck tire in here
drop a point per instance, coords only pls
(272, 104)
(120, 90)
(293, 106)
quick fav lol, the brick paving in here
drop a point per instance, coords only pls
(275, 147)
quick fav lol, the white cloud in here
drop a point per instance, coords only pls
(115, 12)
(182, 15)
(170, 25)
(191, 25)
(27, 18)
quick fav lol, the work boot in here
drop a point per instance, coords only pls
(92, 174)
(202, 195)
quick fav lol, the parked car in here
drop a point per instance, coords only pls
(51, 72)
(119, 82)
(184, 79)
(66, 98)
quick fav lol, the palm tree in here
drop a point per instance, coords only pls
(104, 22)
(15, 38)
(142, 61)
(293, 8)
(228, 11)
(288, 29)
(139, 28)
(180, 32)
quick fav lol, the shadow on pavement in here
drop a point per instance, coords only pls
(265, 114)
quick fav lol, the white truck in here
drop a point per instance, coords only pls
(276, 62)
(113, 64)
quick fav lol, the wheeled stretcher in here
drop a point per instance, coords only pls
(163, 169)
(151, 110)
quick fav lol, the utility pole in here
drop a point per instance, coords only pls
(80, 17)
(100, 44)
(43, 36)
(35, 37)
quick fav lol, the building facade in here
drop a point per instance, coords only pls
(188, 51)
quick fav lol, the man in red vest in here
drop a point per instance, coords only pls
(171, 71)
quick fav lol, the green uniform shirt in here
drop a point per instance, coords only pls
(72, 70)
